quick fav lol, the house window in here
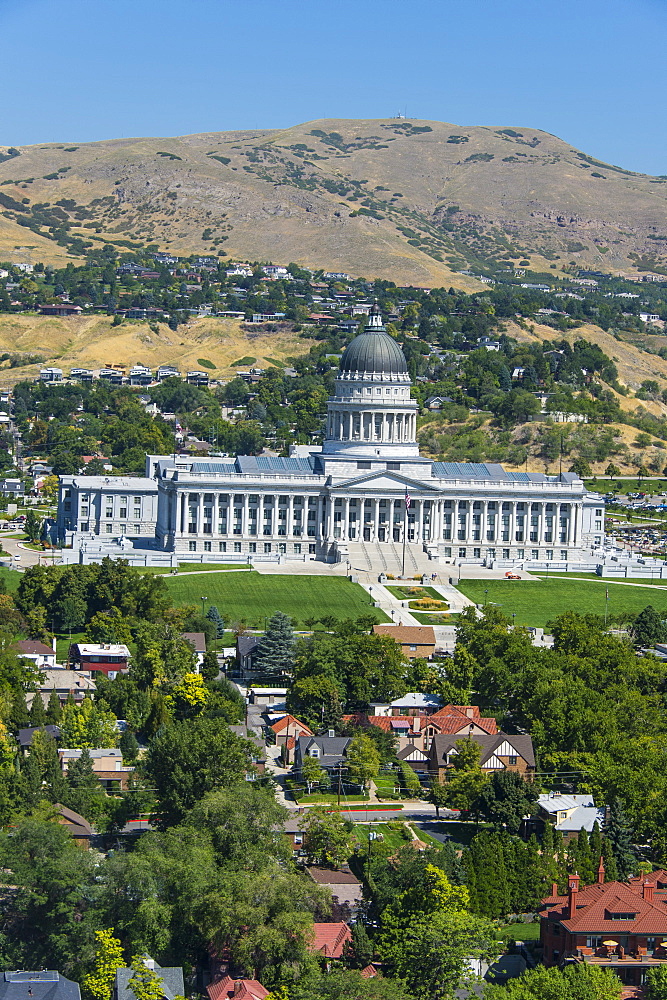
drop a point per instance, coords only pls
(594, 941)
(413, 649)
(298, 839)
(511, 761)
(314, 752)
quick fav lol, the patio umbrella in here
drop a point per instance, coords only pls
(610, 944)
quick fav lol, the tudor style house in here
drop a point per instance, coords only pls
(499, 752)
(619, 925)
(360, 495)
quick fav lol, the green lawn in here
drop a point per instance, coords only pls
(519, 932)
(251, 597)
(629, 485)
(390, 837)
(11, 578)
(196, 568)
(536, 602)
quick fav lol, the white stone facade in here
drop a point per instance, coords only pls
(318, 502)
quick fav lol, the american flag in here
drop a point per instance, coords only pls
(408, 500)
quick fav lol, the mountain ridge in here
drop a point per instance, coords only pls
(407, 200)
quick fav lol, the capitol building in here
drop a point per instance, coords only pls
(358, 498)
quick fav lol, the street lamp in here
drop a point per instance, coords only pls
(203, 601)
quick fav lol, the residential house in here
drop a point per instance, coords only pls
(26, 735)
(77, 683)
(437, 402)
(568, 814)
(170, 977)
(414, 640)
(345, 888)
(415, 757)
(238, 989)
(499, 752)
(258, 759)
(107, 765)
(46, 984)
(76, 825)
(110, 658)
(42, 656)
(458, 721)
(621, 926)
(330, 940)
(294, 832)
(51, 375)
(246, 650)
(198, 642)
(272, 699)
(60, 309)
(287, 731)
(412, 703)
(329, 751)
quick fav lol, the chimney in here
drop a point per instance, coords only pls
(54, 643)
(554, 888)
(647, 891)
(238, 987)
(416, 724)
(573, 892)
(601, 871)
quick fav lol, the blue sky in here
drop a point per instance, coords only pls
(593, 73)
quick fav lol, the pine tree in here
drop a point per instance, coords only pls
(275, 652)
(129, 746)
(214, 615)
(361, 947)
(53, 709)
(584, 859)
(596, 846)
(37, 711)
(610, 866)
(619, 835)
(80, 773)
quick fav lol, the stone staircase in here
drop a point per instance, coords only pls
(387, 557)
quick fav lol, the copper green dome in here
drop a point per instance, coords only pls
(374, 352)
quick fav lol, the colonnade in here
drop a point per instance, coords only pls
(386, 426)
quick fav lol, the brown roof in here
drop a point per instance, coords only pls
(34, 647)
(330, 939)
(408, 635)
(387, 722)
(332, 876)
(196, 639)
(596, 903)
(77, 826)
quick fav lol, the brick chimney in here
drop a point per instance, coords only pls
(648, 889)
(238, 987)
(554, 888)
(601, 871)
(573, 892)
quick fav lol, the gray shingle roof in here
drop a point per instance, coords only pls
(523, 745)
(44, 985)
(172, 981)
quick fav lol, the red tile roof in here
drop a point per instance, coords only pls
(453, 718)
(290, 720)
(242, 989)
(596, 903)
(330, 939)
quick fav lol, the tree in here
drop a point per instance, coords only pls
(465, 780)
(438, 796)
(655, 986)
(189, 759)
(612, 471)
(145, 982)
(32, 526)
(649, 627)
(98, 985)
(618, 833)
(574, 982)
(214, 615)
(275, 650)
(506, 799)
(327, 839)
(188, 698)
(37, 711)
(581, 468)
(129, 746)
(244, 823)
(311, 773)
(362, 760)
(87, 726)
(50, 486)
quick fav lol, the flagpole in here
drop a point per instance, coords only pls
(405, 532)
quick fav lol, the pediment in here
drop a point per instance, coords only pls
(390, 481)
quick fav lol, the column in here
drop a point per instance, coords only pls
(289, 527)
(543, 524)
(345, 531)
(200, 514)
(328, 531)
(483, 522)
(245, 523)
(512, 522)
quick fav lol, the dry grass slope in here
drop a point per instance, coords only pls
(409, 201)
(92, 342)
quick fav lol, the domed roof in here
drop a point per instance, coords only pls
(374, 352)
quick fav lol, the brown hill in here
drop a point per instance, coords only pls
(409, 201)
